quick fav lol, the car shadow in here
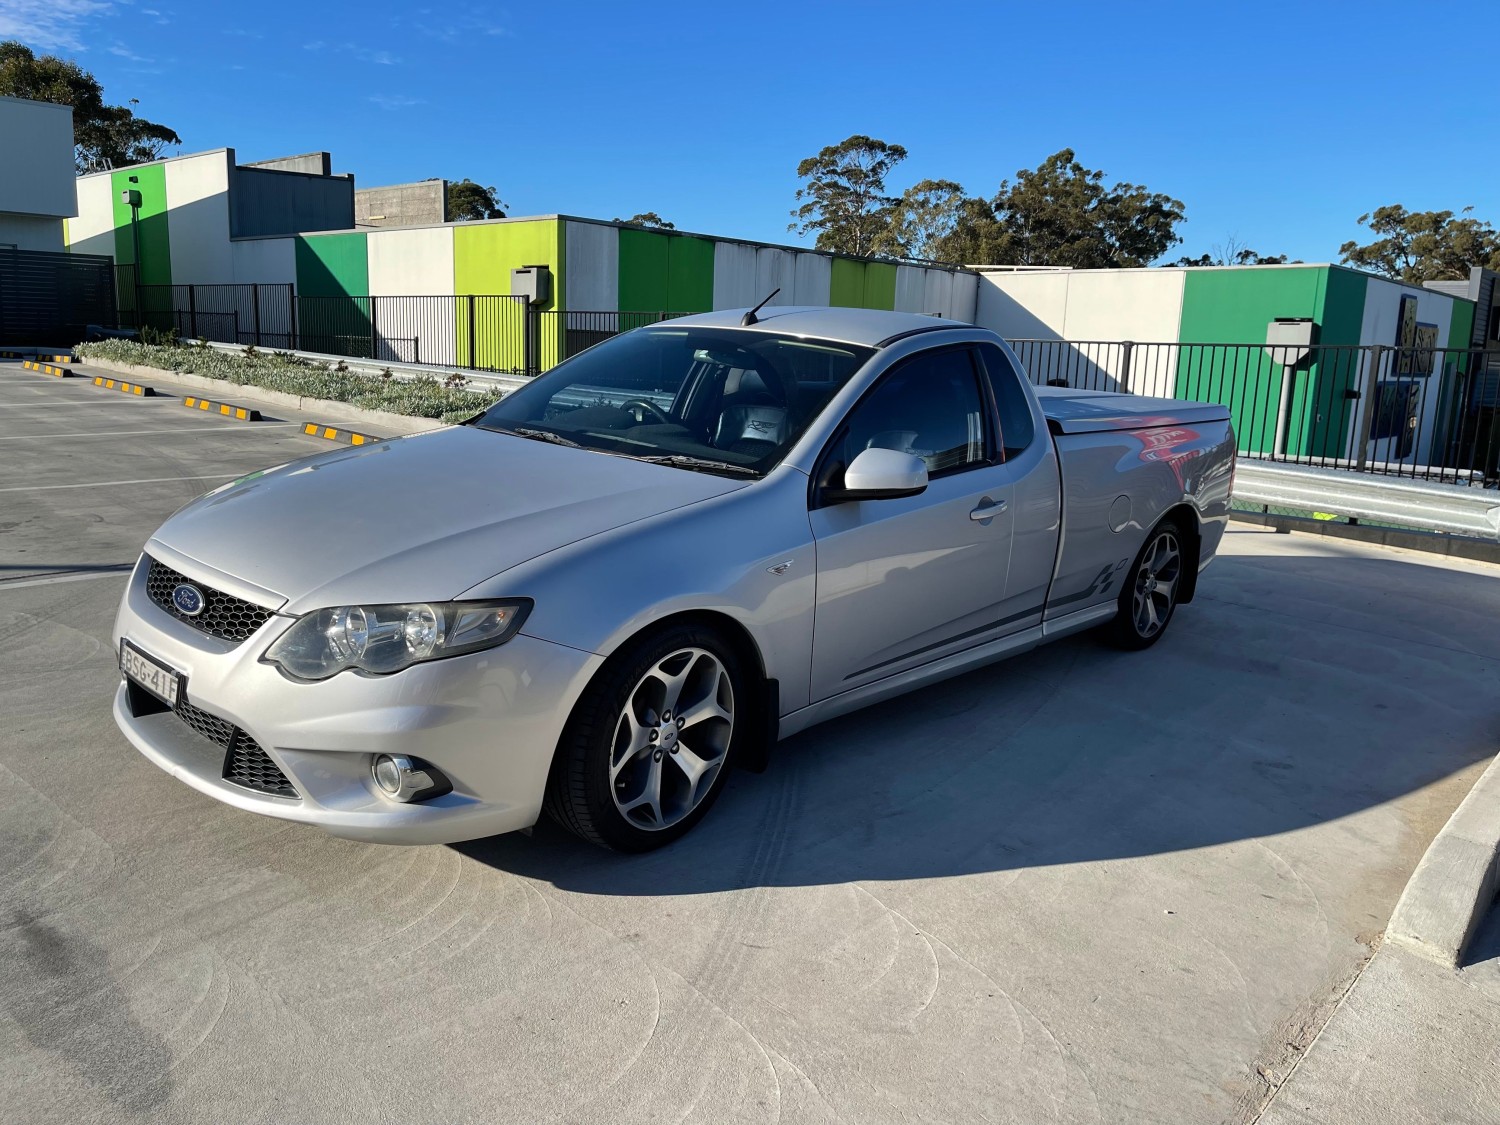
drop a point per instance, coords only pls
(1296, 691)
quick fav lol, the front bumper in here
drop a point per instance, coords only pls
(489, 720)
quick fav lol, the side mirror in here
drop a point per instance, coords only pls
(881, 474)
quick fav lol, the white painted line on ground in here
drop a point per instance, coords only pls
(141, 433)
(51, 579)
(112, 483)
(97, 402)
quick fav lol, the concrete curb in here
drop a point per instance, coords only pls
(227, 409)
(1454, 886)
(123, 387)
(332, 433)
(46, 369)
(337, 411)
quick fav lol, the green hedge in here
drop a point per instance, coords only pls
(423, 397)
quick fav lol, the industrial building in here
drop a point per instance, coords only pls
(36, 174)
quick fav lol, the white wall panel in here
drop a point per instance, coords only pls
(776, 269)
(93, 231)
(1141, 305)
(1023, 306)
(734, 276)
(911, 289)
(198, 219)
(410, 263)
(592, 273)
(812, 279)
(1379, 326)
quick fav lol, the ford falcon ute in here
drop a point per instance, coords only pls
(646, 566)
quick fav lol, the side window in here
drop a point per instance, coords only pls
(1016, 426)
(931, 406)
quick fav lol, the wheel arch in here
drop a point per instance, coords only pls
(766, 708)
(1190, 522)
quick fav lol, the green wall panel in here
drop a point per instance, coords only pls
(333, 282)
(645, 266)
(690, 274)
(1461, 327)
(332, 265)
(880, 285)
(155, 239)
(1233, 306)
(846, 285)
(483, 256)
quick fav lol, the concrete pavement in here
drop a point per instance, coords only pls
(1415, 1043)
(1082, 886)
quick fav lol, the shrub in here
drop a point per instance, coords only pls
(422, 397)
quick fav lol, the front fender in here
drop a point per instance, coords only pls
(748, 555)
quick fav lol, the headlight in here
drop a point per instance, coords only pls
(380, 639)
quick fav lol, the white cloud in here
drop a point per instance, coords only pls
(126, 53)
(49, 24)
(395, 101)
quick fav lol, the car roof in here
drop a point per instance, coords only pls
(869, 327)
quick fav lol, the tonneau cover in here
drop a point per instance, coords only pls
(1071, 411)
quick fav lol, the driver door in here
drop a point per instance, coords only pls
(906, 581)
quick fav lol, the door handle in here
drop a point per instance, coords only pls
(988, 509)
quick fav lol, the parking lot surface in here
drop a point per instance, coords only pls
(1080, 886)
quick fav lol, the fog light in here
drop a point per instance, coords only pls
(408, 779)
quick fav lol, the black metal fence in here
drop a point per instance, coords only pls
(1423, 413)
(51, 299)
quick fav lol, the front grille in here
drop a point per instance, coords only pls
(224, 615)
(248, 765)
(245, 763)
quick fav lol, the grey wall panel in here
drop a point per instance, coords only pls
(402, 205)
(937, 293)
(734, 276)
(965, 297)
(591, 275)
(267, 203)
(813, 284)
(776, 269)
(911, 289)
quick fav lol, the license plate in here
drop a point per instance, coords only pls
(160, 680)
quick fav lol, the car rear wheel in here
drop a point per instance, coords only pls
(1150, 595)
(647, 749)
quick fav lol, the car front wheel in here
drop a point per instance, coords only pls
(647, 749)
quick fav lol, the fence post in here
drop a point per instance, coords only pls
(473, 359)
(255, 303)
(1127, 348)
(1367, 404)
(291, 304)
(531, 332)
(374, 347)
(193, 311)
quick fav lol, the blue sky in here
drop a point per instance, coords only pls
(1276, 123)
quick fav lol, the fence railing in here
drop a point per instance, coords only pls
(1422, 413)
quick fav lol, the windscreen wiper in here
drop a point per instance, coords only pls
(683, 461)
(542, 435)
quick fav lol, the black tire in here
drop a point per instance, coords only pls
(1135, 627)
(580, 792)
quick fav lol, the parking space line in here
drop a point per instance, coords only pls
(112, 483)
(120, 571)
(141, 433)
(69, 402)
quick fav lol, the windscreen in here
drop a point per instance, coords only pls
(709, 399)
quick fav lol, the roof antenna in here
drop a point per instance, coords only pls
(749, 318)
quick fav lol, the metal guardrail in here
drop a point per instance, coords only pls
(1455, 509)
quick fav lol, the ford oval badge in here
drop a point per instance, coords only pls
(188, 600)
